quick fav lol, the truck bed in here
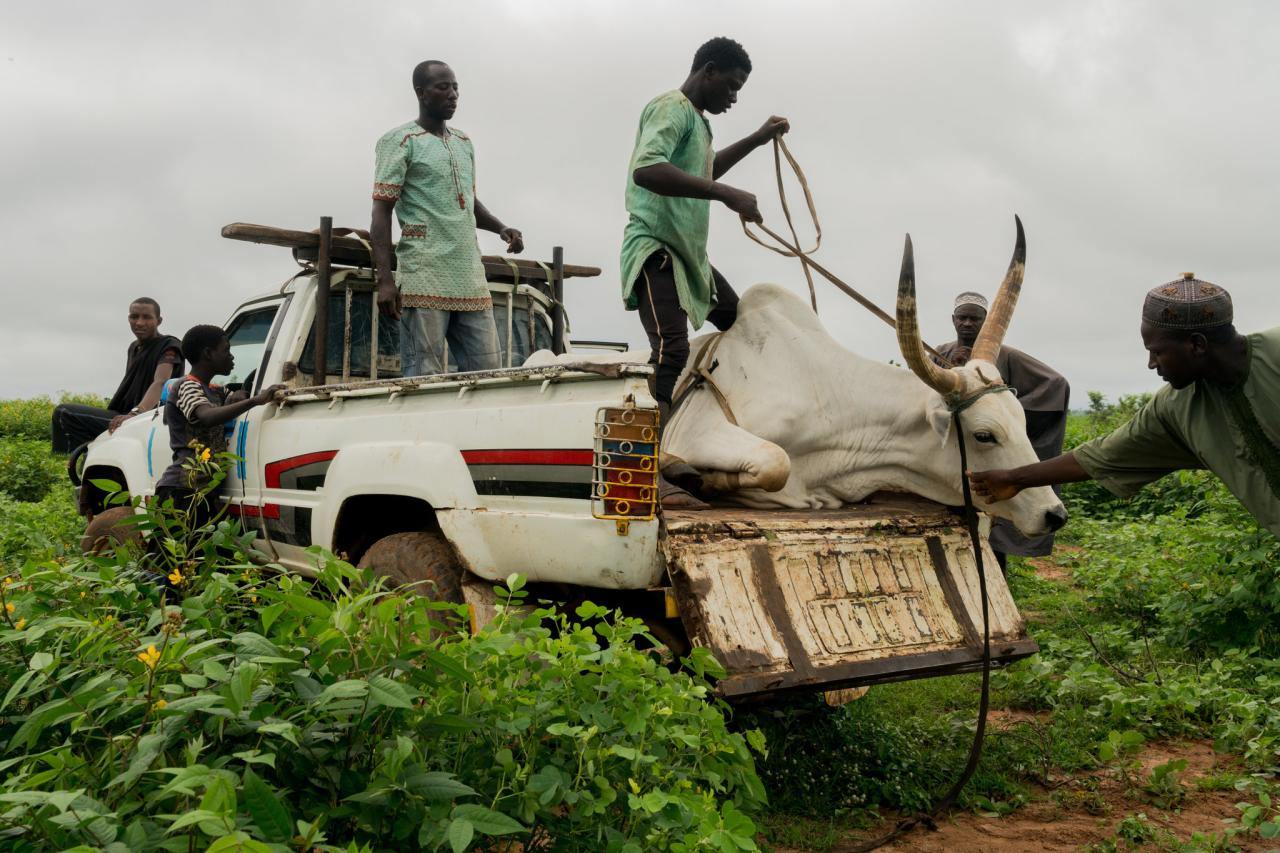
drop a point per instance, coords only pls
(879, 591)
(904, 512)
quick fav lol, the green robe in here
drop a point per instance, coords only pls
(1233, 432)
(672, 130)
(432, 181)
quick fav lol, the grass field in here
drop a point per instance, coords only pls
(1150, 720)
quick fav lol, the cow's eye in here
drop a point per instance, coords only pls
(985, 436)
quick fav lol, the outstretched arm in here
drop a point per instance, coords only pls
(1002, 484)
(211, 415)
(728, 157)
(486, 221)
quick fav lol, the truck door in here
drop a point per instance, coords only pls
(293, 460)
(252, 332)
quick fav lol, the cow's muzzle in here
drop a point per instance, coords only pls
(1055, 518)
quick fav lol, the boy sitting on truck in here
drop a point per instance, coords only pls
(199, 415)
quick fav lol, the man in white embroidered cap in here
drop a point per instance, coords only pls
(1219, 411)
(1045, 396)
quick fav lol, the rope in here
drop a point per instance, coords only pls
(698, 376)
(792, 250)
(960, 405)
(979, 735)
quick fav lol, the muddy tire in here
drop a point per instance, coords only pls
(106, 530)
(423, 561)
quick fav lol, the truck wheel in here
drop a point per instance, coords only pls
(106, 530)
(424, 561)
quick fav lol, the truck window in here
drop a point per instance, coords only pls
(248, 333)
(362, 308)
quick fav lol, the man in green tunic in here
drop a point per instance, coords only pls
(671, 181)
(1220, 410)
(425, 171)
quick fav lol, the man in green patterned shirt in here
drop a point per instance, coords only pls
(671, 181)
(1220, 410)
(425, 171)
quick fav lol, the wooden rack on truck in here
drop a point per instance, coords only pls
(323, 250)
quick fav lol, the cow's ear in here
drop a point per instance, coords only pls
(939, 419)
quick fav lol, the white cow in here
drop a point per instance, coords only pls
(818, 426)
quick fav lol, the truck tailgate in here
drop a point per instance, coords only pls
(881, 591)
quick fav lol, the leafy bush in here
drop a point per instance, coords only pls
(38, 531)
(273, 714)
(27, 471)
(824, 760)
(30, 419)
(901, 746)
(26, 418)
(1206, 585)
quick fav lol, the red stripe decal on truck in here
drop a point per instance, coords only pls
(273, 471)
(272, 475)
(528, 457)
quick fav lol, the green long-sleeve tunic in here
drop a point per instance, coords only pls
(1233, 432)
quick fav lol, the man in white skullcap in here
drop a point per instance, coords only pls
(1220, 409)
(1045, 396)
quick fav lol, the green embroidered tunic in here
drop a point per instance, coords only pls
(1233, 432)
(671, 131)
(432, 181)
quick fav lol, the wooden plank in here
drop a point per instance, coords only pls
(350, 251)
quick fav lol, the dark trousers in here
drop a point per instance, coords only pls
(666, 322)
(74, 425)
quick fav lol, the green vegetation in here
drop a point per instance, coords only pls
(276, 712)
(37, 518)
(241, 709)
(1167, 629)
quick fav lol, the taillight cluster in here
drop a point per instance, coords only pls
(624, 478)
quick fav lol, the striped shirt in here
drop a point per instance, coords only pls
(186, 398)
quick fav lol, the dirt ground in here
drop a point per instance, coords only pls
(1081, 811)
(1048, 568)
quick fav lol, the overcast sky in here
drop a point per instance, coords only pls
(1137, 140)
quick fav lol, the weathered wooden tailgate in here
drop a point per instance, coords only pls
(882, 591)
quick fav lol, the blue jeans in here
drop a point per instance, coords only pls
(470, 336)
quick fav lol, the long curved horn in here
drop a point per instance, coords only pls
(987, 346)
(945, 382)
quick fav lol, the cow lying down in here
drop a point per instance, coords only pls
(819, 426)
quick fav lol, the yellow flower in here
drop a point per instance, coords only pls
(22, 623)
(149, 657)
(82, 593)
(253, 598)
(8, 581)
(175, 577)
(8, 607)
(161, 704)
(205, 455)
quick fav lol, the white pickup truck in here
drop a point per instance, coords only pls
(465, 478)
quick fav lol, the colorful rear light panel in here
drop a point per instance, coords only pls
(624, 482)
